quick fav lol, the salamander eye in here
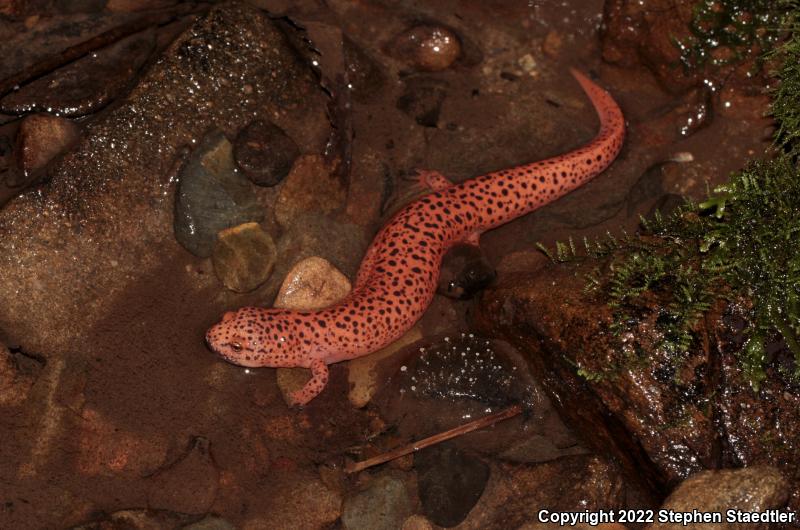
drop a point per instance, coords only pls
(236, 346)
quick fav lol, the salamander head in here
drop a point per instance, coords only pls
(255, 337)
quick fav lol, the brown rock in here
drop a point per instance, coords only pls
(552, 44)
(752, 489)
(313, 283)
(568, 322)
(264, 153)
(137, 520)
(643, 32)
(310, 187)
(417, 522)
(646, 33)
(188, 485)
(244, 257)
(290, 380)
(328, 236)
(427, 47)
(516, 493)
(663, 419)
(41, 137)
(65, 91)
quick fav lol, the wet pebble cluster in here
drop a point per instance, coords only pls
(212, 196)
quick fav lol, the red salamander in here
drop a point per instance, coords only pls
(398, 276)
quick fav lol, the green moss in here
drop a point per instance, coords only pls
(785, 107)
(725, 32)
(739, 244)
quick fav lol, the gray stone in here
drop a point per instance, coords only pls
(212, 196)
(384, 505)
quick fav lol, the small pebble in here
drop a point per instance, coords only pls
(384, 505)
(427, 47)
(313, 283)
(244, 257)
(264, 153)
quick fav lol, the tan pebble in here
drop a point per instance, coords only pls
(313, 283)
(417, 522)
(362, 375)
(243, 257)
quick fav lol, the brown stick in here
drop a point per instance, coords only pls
(491, 419)
(82, 49)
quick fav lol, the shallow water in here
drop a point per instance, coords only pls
(119, 406)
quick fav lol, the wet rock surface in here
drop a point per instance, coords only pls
(18, 373)
(310, 187)
(516, 492)
(66, 92)
(136, 519)
(423, 100)
(313, 234)
(264, 153)
(753, 489)
(663, 422)
(656, 34)
(40, 138)
(109, 203)
(37, 37)
(465, 272)
(243, 257)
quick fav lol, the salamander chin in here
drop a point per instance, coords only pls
(252, 337)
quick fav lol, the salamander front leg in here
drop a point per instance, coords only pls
(319, 378)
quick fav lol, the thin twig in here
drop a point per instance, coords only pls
(491, 419)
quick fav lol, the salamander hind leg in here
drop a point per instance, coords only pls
(432, 179)
(319, 378)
